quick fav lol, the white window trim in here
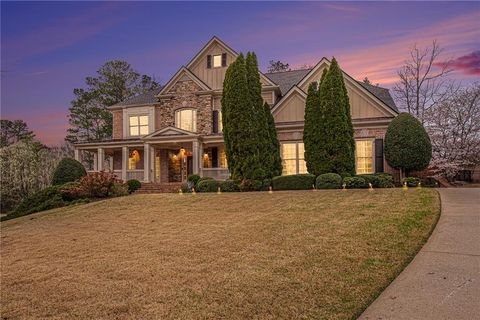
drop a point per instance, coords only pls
(195, 128)
(297, 155)
(129, 126)
(213, 61)
(373, 153)
(138, 111)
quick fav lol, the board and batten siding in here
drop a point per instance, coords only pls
(213, 77)
(292, 109)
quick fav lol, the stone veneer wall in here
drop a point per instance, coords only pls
(117, 124)
(184, 96)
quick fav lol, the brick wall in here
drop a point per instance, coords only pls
(117, 124)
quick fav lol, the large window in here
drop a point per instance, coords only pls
(364, 156)
(293, 158)
(138, 125)
(186, 119)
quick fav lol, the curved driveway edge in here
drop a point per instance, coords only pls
(443, 280)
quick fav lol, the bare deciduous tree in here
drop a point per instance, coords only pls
(454, 128)
(423, 80)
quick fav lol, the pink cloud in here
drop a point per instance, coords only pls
(380, 62)
(468, 64)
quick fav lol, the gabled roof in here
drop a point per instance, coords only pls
(290, 92)
(168, 132)
(176, 76)
(287, 79)
(229, 49)
(141, 99)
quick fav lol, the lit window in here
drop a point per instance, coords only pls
(133, 159)
(217, 60)
(223, 159)
(186, 119)
(138, 125)
(220, 123)
(293, 158)
(364, 156)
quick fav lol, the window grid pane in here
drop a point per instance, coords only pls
(364, 156)
(217, 60)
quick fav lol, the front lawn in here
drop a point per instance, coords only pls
(289, 255)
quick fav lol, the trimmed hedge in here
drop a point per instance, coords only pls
(379, 180)
(411, 181)
(328, 181)
(208, 185)
(229, 186)
(133, 185)
(355, 182)
(193, 178)
(294, 182)
(68, 170)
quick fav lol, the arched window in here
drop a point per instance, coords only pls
(186, 119)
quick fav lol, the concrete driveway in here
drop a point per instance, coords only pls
(443, 281)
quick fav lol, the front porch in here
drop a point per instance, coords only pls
(156, 161)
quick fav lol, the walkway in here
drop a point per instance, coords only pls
(443, 281)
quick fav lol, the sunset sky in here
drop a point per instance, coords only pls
(48, 48)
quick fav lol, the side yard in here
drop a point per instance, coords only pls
(286, 255)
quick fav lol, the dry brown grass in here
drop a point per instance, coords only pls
(290, 255)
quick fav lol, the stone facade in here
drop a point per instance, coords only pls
(117, 124)
(184, 95)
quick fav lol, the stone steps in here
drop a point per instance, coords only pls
(148, 188)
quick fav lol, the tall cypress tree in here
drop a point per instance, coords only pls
(274, 145)
(338, 144)
(260, 120)
(238, 114)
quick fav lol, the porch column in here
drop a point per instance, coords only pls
(124, 163)
(146, 162)
(76, 154)
(196, 156)
(101, 158)
(95, 161)
(200, 162)
(152, 164)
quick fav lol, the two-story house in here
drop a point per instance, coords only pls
(166, 134)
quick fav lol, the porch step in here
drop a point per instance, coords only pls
(159, 188)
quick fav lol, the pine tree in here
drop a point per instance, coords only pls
(116, 81)
(337, 144)
(241, 132)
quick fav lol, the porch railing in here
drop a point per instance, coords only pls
(216, 173)
(135, 174)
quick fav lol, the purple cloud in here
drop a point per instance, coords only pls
(468, 64)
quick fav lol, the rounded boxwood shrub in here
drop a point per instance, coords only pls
(133, 185)
(229, 186)
(328, 181)
(371, 178)
(266, 184)
(208, 185)
(385, 180)
(411, 181)
(294, 182)
(68, 170)
(355, 182)
(407, 144)
(193, 178)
